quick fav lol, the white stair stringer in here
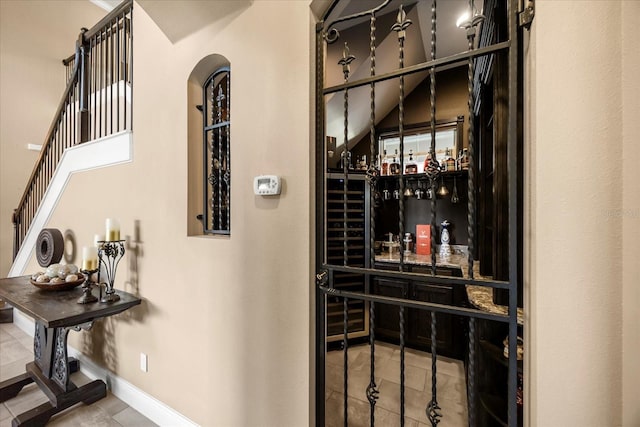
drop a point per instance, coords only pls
(108, 151)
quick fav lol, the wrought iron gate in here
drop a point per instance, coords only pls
(347, 210)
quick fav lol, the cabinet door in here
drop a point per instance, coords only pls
(420, 332)
(387, 320)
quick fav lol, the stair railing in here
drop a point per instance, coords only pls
(96, 103)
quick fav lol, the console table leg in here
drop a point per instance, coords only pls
(39, 416)
(11, 387)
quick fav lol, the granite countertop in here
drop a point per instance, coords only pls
(480, 297)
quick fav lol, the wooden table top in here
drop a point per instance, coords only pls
(56, 309)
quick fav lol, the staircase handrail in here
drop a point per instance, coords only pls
(70, 125)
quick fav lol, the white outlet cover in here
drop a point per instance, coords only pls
(143, 362)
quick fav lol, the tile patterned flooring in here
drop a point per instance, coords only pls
(452, 395)
(16, 350)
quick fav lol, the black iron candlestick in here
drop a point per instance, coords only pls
(110, 254)
(87, 296)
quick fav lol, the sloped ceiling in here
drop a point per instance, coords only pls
(178, 18)
(450, 40)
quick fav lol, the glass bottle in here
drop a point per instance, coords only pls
(394, 167)
(411, 166)
(464, 164)
(384, 168)
(450, 162)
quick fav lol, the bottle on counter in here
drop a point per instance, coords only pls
(394, 166)
(412, 166)
(384, 164)
(464, 162)
(449, 162)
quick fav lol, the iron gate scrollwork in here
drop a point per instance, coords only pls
(343, 22)
(216, 110)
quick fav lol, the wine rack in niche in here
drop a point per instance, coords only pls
(354, 253)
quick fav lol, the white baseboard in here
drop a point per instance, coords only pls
(142, 402)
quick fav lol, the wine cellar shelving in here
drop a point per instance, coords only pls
(356, 251)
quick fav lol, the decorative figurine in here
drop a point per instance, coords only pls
(445, 248)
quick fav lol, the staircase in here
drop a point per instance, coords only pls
(96, 104)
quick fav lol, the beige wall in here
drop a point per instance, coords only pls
(34, 37)
(578, 235)
(225, 320)
(630, 215)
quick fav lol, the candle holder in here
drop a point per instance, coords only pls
(110, 254)
(87, 296)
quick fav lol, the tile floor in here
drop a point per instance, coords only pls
(452, 395)
(16, 350)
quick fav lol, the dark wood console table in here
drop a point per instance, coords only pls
(55, 314)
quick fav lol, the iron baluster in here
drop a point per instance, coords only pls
(372, 171)
(117, 21)
(401, 365)
(433, 164)
(471, 382)
(433, 409)
(218, 139)
(401, 25)
(372, 389)
(345, 61)
(227, 130)
(470, 25)
(345, 308)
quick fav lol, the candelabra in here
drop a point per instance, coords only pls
(87, 296)
(110, 254)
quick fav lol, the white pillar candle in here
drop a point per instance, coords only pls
(97, 238)
(113, 230)
(89, 258)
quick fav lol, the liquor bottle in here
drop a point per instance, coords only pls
(450, 162)
(384, 168)
(394, 167)
(411, 167)
(464, 164)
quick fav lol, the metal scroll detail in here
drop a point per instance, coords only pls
(37, 344)
(400, 26)
(372, 388)
(60, 368)
(60, 374)
(433, 409)
(332, 34)
(217, 149)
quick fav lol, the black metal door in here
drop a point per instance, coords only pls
(378, 68)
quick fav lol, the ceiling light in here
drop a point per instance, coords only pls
(463, 19)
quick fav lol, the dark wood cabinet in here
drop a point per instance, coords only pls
(387, 320)
(491, 379)
(450, 330)
(420, 333)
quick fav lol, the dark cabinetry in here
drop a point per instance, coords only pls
(492, 378)
(450, 336)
